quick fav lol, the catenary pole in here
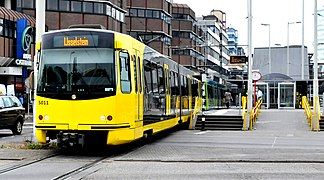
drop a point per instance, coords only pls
(250, 64)
(303, 41)
(315, 81)
(40, 30)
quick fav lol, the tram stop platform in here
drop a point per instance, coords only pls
(279, 136)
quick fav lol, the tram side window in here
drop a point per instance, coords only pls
(155, 81)
(161, 80)
(139, 74)
(148, 79)
(172, 83)
(125, 79)
(176, 82)
(194, 88)
(184, 87)
(189, 82)
(135, 72)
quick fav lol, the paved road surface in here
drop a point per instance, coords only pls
(281, 147)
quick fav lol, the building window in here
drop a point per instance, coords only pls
(118, 15)
(28, 3)
(122, 17)
(133, 12)
(64, 5)
(141, 13)
(98, 8)
(113, 12)
(149, 13)
(88, 7)
(108, 10)
(52, 5)
(75, 6)
(18, 3)
(1, 27)
(156, 14)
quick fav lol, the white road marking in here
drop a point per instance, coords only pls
(217, 112)
(28, 127)
(203, 132)
(265, 122)
(274, 142)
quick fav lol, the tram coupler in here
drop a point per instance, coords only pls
(68, 140)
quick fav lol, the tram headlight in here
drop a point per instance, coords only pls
(46, 117)
(102, 118)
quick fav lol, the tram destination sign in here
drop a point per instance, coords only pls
(238, 59)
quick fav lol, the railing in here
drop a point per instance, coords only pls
(255, 113)
(308, 111)
(244, 112)
(316, 115)
(312, 117)
(197, 109)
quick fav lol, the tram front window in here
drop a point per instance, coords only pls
(89, 72)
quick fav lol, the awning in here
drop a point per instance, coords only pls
(5, 61)
(12, 71)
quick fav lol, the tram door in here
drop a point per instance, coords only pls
(264, 87)
(286, 95)
(138, 85)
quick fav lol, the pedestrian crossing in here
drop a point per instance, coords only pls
(28, 125)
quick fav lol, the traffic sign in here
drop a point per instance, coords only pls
(256, 75)
(238, 59)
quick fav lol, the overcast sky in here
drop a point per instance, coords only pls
(277, 13)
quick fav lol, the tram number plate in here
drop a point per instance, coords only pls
(43, 102)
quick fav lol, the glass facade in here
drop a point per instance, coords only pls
(232, 41)
(150, 14)
(7, 28)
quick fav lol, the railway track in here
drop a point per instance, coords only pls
(58, 166)
(21, 165)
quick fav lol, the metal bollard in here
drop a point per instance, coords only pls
(323, 103)
(240, 103)
(203, 124)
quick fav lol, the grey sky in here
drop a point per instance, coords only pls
(275, 12)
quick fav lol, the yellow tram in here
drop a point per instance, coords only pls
(100, 86)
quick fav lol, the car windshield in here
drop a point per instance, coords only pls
(16, 100)
(1, 103)
(77, 70)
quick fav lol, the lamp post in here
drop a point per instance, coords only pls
(250, 63)
(288, 44)
(269, 55)
(40, 29)
(315, 80)
(303, 41)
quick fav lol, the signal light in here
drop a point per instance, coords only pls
(109, 118)
(40, 117)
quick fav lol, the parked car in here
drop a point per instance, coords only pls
(12, 114)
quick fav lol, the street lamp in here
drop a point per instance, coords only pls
(315, 80)
(40, 30)
(303, 40)
(297, 22)
(250, 62)
(269, 55)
